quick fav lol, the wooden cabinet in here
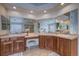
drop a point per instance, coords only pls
(74, 48)
(19, 45)
(6, 46)
(54, 43)
(58, 48)
(62, 46)
(49, 42)
(70, 47)
(66, 47)
(12, 45)
(42, 41)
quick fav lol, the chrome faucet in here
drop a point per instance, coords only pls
(27, 33)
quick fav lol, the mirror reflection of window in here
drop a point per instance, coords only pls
(16, 25)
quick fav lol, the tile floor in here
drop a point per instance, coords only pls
(36, 52)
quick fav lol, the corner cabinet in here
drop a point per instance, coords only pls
(62, 46)
(67, 47)
(70, 47)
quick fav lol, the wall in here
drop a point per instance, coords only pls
(20, 14)
(3, 12)
(36, 27)
(74, 21)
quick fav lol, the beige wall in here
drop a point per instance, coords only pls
(20, 14)
(3, 11)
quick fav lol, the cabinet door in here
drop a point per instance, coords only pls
(54, 43)
(58, 51)
(49, 42)
(66, 49)
(19, 44)
(61, 45)
(6, 48)
(42, 41)
(74, 47)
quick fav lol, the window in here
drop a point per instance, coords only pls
(16, 25)
(4, 23)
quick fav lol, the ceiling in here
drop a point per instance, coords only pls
(33, 6)
(37, 8)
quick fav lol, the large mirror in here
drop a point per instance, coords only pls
(67, 23)
(21, 25)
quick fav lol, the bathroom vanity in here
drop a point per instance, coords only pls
(65, 45)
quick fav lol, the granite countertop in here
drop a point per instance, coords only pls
(67, 36)
(18, 35)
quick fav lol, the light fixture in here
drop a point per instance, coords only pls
(14, 7)
(45, 11)
(31, 11)
(62, 4)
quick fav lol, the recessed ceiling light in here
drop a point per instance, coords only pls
(14, 7)
(45, 11)
(62, 3)
(31, 11)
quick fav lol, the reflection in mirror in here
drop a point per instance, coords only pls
(21, 25)
(67, 23)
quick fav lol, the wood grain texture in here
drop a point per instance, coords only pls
(42, 41)
(62, 46)
(12, 45)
